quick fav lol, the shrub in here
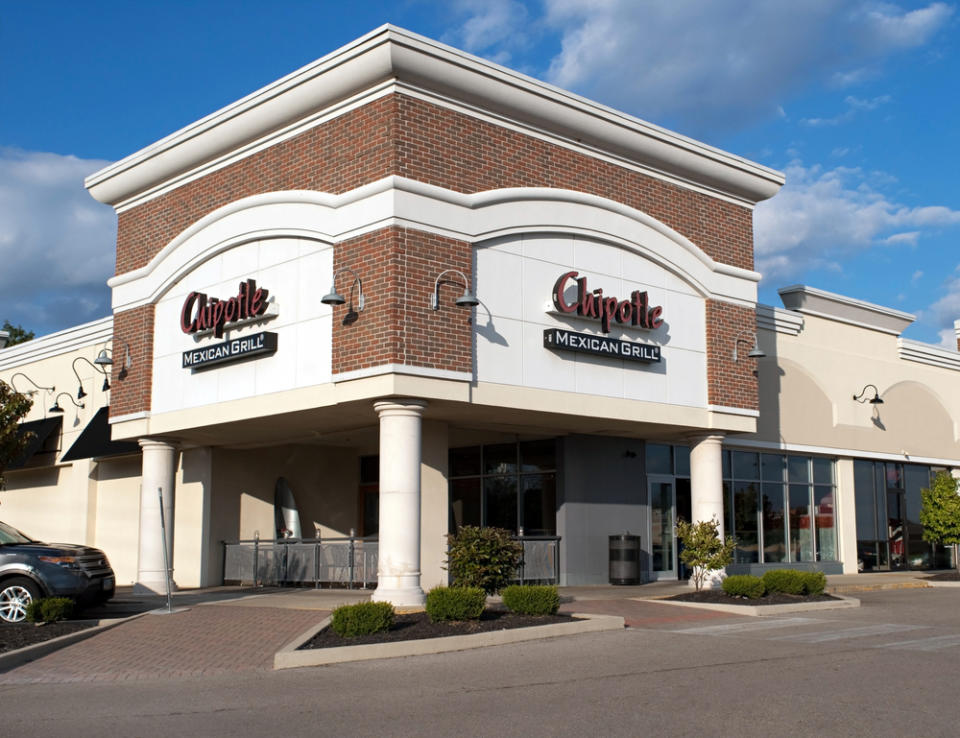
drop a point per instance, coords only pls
(788, 581)
(455, 603)
(814, 582)
(50, 609)
(532, 599)
(362, 618)
(744, 585)
(482, 557)
(703, 549)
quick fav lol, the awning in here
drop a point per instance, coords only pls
(42, 430)
(95, 440)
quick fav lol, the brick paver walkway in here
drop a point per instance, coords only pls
(204, 640)
(643, 613)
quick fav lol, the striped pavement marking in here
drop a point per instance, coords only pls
(935, 643)
(864, 631)
(749, 626)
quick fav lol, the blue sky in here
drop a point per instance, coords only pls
(857, 102)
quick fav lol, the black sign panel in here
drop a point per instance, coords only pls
(561, 340)
(259, 344)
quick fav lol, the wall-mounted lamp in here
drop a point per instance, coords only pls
(335, 298)
(29, 393)
(875, 400)
(467, 299)
(104, 358)
(106, 382)
(755, 352)
(56, 403)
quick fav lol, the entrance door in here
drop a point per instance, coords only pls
(663, 546)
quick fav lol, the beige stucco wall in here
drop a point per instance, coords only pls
(434, 505)
(117, 522)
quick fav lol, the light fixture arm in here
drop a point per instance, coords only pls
(755, 352)
(29, 392)
(468, 299)
(80, 393)
(56, 402)
(335, 298)
(875, 400)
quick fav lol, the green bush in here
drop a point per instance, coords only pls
(455, 603)
(787, 581)
(482, 557)
(50, 609)
(362, 618)
(744, 585)
(531, 599)
(814, 582)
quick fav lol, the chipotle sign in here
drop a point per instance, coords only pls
(636, 311)
(202, 313)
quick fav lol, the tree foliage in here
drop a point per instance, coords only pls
(13, 407)
(483, 557)
(17, 333)
(940, 512)
(703, 549)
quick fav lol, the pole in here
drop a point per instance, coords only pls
(166, 559)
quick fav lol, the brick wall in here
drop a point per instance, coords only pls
(401, 135)
(130, 388)
(729, 383)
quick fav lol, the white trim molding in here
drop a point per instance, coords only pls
(416, 371)
(96, 332)
(776, 319)
(852, 453)
(843, 309)
(394, 55)
(926, 353)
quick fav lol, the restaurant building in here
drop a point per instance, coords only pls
(405, 289)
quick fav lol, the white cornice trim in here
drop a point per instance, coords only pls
(390, 53)
(843, 309)
(727, 410)
(88, 334)
(416, 371)
(779, 320)
(844, 452)
(926, 353)
(129, 416)
(476, 218)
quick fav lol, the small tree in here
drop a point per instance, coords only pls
(703, 549)
(482, 557)
(17, 333)
(13, 406)
(940, 513)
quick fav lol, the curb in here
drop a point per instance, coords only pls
(762, 610)
(289, 657)
(942, 584)
(914, 584)
(19, 657)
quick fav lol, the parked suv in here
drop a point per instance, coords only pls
(30, 569)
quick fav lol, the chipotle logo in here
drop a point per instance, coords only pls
(636, 311)
(202, 313)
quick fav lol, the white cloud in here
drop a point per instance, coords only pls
(57, 244)
(820, 217)
(718, 66)
(946, 310)
(493, 26)
(854, 105)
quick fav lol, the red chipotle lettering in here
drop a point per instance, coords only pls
(636, 311)
(212, 313)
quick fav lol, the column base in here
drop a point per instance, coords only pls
(408, 597)
(153, 587)
(712, 580)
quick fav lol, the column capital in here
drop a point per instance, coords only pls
(400, 406)
(157, 443)
(706, 437)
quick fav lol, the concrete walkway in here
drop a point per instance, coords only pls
(228, 630)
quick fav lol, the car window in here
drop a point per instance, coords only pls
(9, 534)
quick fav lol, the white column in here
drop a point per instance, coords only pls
(398, 573)
(159, 469)
(706, 486)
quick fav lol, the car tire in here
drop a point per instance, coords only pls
(15, 595)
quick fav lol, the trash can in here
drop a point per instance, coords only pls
(625, 559)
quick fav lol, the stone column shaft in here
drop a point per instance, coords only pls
(159, 472)
(706, 486)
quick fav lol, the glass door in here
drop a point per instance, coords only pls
(663, 547)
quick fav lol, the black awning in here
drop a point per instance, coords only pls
(95, 441)
(42, 430)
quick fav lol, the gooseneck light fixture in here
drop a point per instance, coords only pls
(335, 298)
(56, 402)
(104, 357)
(467, 299)
(875, 400)
(106, 382)
(29, 393)
(755, 352)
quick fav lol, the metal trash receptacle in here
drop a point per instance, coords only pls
(625, 559)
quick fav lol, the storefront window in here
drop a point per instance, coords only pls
(505, 485)
(779, 507)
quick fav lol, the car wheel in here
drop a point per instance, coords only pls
(15, 595)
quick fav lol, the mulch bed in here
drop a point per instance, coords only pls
(20, 635)
(947, 576)
(719, 597)
(417, 626)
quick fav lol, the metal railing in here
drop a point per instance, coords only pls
(350, 561)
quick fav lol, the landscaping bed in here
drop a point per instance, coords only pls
(719, 597)
(20, 635)
(417, 626)
(947, 576)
